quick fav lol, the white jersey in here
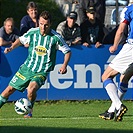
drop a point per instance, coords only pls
(127, 17)
(125, 57)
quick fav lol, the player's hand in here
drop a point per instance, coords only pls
(7, 50)
(26, 45)
(112, 49)
(62, 70)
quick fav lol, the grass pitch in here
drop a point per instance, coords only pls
(65, 117)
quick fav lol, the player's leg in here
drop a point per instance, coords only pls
(124, 79)
(110, 86)
(31, 94)
(111, 89)
(5, 95)
(123, 88)
(120, 64)
(16, 83)
(33, 87)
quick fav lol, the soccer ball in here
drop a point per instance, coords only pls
(23, 106)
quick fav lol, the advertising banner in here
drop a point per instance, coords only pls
(81, 82)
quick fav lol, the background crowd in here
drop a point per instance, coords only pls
(83, 23)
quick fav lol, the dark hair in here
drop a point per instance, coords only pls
(31, 4)
(46, 15)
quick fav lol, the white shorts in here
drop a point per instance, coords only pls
(123, 59)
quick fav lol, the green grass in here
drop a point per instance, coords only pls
(65, 117)
(11, 8)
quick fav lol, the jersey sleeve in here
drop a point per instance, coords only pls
(62, 46)
(60, 43)
(25, 38)
(124, 16)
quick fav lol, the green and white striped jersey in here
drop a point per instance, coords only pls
(42, 49)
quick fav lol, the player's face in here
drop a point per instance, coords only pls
(9, 27)
(32, 12)
(44, 26)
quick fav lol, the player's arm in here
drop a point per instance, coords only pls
(63, 69)
(118, 37)
(123, 25)
(13, 46)
(62, 46)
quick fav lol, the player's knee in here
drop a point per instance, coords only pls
(104, 77)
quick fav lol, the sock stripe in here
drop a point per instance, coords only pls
(107, 81)
(123, 87)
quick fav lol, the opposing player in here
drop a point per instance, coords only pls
(43, 42)
(122, 63)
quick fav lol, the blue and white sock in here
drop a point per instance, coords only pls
(111, 89)
(122, 89)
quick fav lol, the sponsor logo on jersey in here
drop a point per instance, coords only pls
(40, 50)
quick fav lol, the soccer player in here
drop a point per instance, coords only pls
(122, 63)
(42, 43)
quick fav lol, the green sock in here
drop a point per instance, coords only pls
(2, 101)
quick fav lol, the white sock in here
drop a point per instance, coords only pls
(112, 107)
(112, 92)
(121, 92)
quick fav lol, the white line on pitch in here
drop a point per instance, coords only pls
(48, 118)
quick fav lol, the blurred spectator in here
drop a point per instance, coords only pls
(100, 9)
(92, 30)
(75, 7)
(67, 6)
(8, 33)
(30, 20)
(109, 39)
(70, 30)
